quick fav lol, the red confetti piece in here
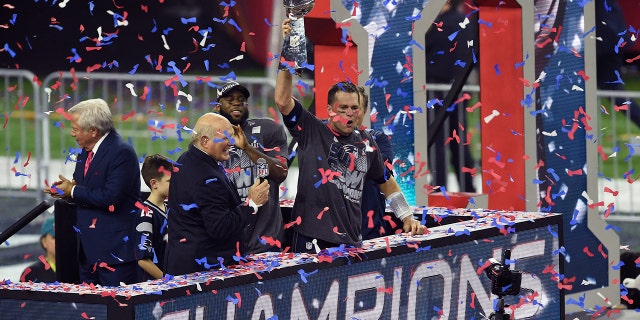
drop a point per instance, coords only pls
(128, 115)
(64, 113)
(27, 270)
(608, 211)
(370, 219)
(614, 193)
(390, 220)
(111, 208)
(28, 158)
(604, 255)
(322, 212)
(93, 223)
(106, 266)
(583, 75)
(388, 291)
(587, 252)
(292, 223)
(485, 265)
(574, 172)
(44, 261)
(273, 115)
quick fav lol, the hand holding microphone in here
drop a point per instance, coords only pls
(262, 169)
(259, 191)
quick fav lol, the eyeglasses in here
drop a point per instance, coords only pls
(241, 102)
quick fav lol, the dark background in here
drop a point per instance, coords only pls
(42, 48)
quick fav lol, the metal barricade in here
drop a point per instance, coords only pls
(153, 111)
(618, 163)
(20, 157)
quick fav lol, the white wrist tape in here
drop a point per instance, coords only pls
(254, 206)
(399, 205)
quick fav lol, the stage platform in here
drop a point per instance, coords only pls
(395, 277)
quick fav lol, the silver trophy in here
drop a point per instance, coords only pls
(295, 45)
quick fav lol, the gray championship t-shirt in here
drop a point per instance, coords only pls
(269, 138)
(332, 170)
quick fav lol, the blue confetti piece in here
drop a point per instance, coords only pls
(134, 69)
(413, 42)
(174, 151)
(77, 229)
(618, 266)
(8, 49)
(488, 24)
(230, 4)
(188, 20)
(116, 257)
(172, 64)
(232, 299)
(187, 207)
(615, 228)
(554, 234)
(304, 275)
(443, 189)
(229, 76)
(233, 23)
(461, 233)
(561, 250)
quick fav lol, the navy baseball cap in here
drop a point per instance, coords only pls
(230, 86)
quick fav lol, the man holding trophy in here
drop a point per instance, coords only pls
(334, 159)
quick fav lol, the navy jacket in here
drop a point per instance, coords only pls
(206, 217)
(106, 200)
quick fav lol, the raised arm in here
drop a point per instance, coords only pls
(277, 169)
(284, 87)
(283, 97)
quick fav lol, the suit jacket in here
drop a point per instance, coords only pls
(106, 199)
(206, 217)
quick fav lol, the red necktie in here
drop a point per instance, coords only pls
(88, 162)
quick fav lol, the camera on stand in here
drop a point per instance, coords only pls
(504, 282)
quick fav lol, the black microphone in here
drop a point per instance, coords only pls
(262, 168)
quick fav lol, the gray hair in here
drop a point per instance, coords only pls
(93, 113)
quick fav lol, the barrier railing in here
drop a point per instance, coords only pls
(150, 109)
(21, 136)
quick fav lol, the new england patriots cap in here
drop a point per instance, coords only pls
(230, 86)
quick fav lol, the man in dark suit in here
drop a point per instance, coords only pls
(206, 217)
(105, 188)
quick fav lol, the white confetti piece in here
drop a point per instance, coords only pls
(130, 86)
(490, 117)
